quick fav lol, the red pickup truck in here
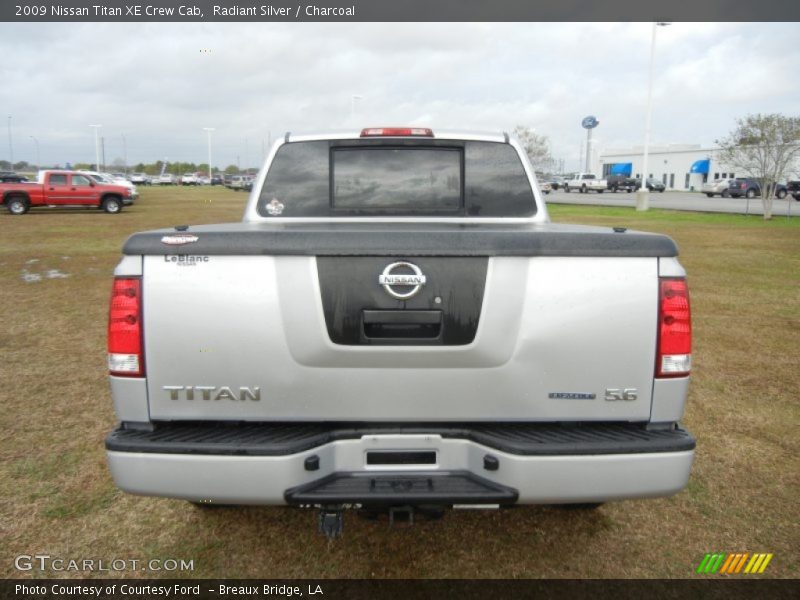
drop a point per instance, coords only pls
(64, 188)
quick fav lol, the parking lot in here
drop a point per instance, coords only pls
(673, 200)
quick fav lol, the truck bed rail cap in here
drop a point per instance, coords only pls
(406, 239)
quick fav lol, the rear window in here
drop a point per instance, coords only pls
(396, 178)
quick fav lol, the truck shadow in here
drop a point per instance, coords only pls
(527, 541)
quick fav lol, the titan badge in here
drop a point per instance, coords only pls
(210, 392)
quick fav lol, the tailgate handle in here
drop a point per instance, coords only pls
(402, 324)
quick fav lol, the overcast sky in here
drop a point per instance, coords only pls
(160, 84)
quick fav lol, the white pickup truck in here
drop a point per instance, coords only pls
(397, 324)
(586, 182)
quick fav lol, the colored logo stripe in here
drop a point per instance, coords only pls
(711, 562)
(758, 563)
(727, 564)
(734, 563)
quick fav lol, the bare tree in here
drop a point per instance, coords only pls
(536, 146)
(764, 147)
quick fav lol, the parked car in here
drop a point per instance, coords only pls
(793, 187)
(11, 177)
(586, 182)
(621, 182)
(450, 348)
(64, 188)
(217, 180)
(718, 187)
(167, 179)
(140, 179)
(750, 187)
(189, 179)
(557, 182)
(241, 183)
(545, 187)
(653, 184)
(744, 186)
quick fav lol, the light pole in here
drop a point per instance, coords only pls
(208, 130)
(38, 160)
(125, 154)
(10, 146)
(353, 99)
(96, 147)
(642, 199)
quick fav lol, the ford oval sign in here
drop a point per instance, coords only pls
(590, 122)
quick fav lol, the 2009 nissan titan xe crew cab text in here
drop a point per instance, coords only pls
(396, 323)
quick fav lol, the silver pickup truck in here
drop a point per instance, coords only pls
(396, 324)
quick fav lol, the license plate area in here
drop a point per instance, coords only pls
(403, 458)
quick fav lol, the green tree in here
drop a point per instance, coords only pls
(536, 146)
(764, 147)
(231, 169)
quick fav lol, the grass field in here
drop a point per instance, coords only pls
(58, 498)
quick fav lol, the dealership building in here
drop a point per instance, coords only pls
(677, 166)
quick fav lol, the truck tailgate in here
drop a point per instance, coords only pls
(248, 337)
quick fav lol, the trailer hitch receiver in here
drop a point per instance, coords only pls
(331, 522)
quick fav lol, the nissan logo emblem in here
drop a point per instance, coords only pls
(390, 279)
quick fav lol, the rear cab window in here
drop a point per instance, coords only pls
(396, 177)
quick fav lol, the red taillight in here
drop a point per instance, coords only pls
(125, 328)
(674, 329)
(396, 132)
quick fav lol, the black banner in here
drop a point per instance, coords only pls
(397, 10)
(326, 589)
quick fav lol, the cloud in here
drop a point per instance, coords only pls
(160, 84)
